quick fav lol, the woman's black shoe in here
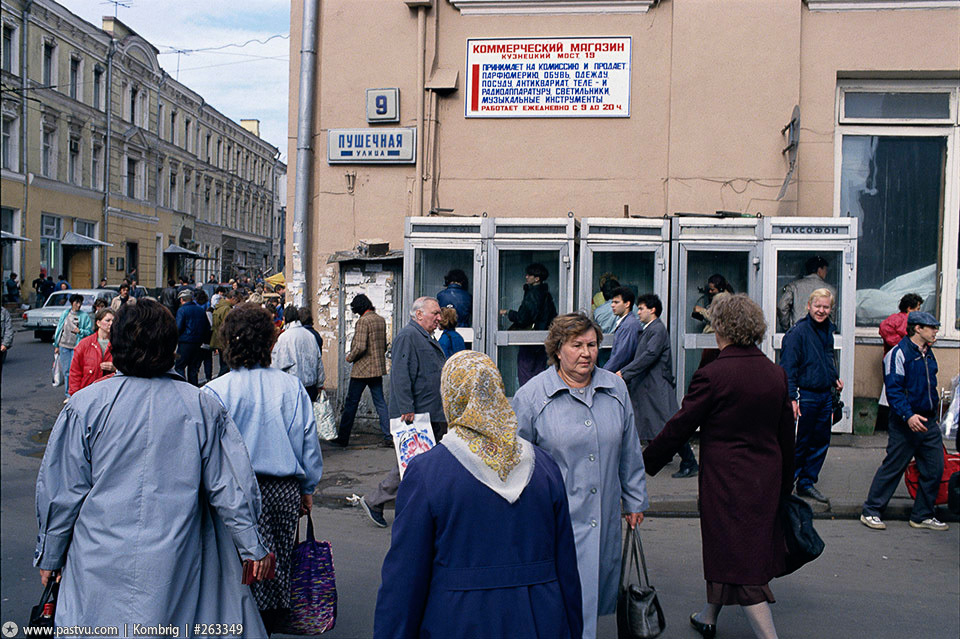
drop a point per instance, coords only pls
(708, 630)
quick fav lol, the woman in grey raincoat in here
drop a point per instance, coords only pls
(146, 494)
(583, 417)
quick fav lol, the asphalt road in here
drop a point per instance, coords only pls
(889, 585)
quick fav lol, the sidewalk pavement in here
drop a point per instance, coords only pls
(851, 463)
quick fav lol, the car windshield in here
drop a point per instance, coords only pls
(63, 299)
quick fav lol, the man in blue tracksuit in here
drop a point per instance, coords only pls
(194, 329)
(910, 376)
(807, 357)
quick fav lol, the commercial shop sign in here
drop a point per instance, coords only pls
(372, 146)
(578, 77)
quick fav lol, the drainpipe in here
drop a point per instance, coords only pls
(24, 20)
(107, 146)
(421, 55)
(301, 202)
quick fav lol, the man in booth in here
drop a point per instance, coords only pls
(791, 305)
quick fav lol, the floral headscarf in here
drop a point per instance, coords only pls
(478, 412)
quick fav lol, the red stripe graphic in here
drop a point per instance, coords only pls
(475, 91)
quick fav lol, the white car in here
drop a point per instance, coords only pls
(44, 320)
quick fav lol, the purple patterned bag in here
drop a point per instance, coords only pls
(313, 587)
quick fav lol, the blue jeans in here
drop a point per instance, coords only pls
(813, 436)
(354, 392)
(66, 358)
(903, 445)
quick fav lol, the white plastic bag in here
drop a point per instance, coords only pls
(948, 425)
(410, 440)
(327, 427)
(55, 371)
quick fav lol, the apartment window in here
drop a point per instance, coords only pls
(173, 128)
(187, 134)
(10, 149)
(173, 191)
(133, 104)
(133, 256)
(10, 52)
(898, 174)
(228, 157)
(218, 153)
(206, 204)
(73, 161)
(187, 194)
(49, 64)
(85, 227)
(133, 178)
(10, 222)
(48, 152)
(159, 187)
(96, 166)
(76, 79)
(51, 253)
(160, 120)
(217, 211)
(97, 87)
(208, 148)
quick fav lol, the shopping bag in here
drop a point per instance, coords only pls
(951, 464)
(803, 544)
(639, 615)
(55, 371)
(410, 440)
(313, 587)
(327, 426)
(41, 615)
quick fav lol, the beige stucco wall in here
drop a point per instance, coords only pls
(712, 84)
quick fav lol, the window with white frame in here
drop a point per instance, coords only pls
(85, 228)
(96, 166)
(48, 151)
(174, 137)
(74, 166)
(97, 87)
(897, 172)
(160, 120)
(160, 189)
(133, 177)
(174, 202)
(49, 68)
(76, 78)
(10, 222)
(51, 253)
(11, 49)
(187, 134)
(10, 148)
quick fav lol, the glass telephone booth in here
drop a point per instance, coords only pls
(514, 245)
(707, 255)
(792, 246)
(633, 252)
(435, 246)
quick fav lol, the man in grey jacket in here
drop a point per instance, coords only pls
(417, 360)
(792, 304)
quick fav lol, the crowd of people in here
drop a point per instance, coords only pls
(513, 518)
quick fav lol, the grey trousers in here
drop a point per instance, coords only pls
(387, 489)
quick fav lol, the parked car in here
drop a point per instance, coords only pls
(141, 289)
(44, 320)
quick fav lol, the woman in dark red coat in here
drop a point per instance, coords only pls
(740, 403)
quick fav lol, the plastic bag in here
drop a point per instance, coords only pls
(327, 427)
(410, 440)
(948, 425)
(55, 371)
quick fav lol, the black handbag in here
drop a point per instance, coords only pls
(639, 615)
(802, 541)
(837, 406)
(49, 596)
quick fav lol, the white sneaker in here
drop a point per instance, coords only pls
(930, 524)
(872, 521)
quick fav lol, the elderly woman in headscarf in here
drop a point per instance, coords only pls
(583, 417)
(482, 527)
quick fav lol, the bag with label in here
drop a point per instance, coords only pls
(327, 426)
(410, 440)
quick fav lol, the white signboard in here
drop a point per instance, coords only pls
(383, 105)
(372, 146)
(548, 77)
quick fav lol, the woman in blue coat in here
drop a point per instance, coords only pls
(482, 542)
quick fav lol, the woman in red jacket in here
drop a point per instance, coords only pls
(92, 359)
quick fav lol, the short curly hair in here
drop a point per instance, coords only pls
(248, 335)
(448, 318)
(564, 328)
(738, 319)
(143, 339)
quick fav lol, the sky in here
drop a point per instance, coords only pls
(242, 82)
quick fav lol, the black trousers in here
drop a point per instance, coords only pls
(189, 359)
